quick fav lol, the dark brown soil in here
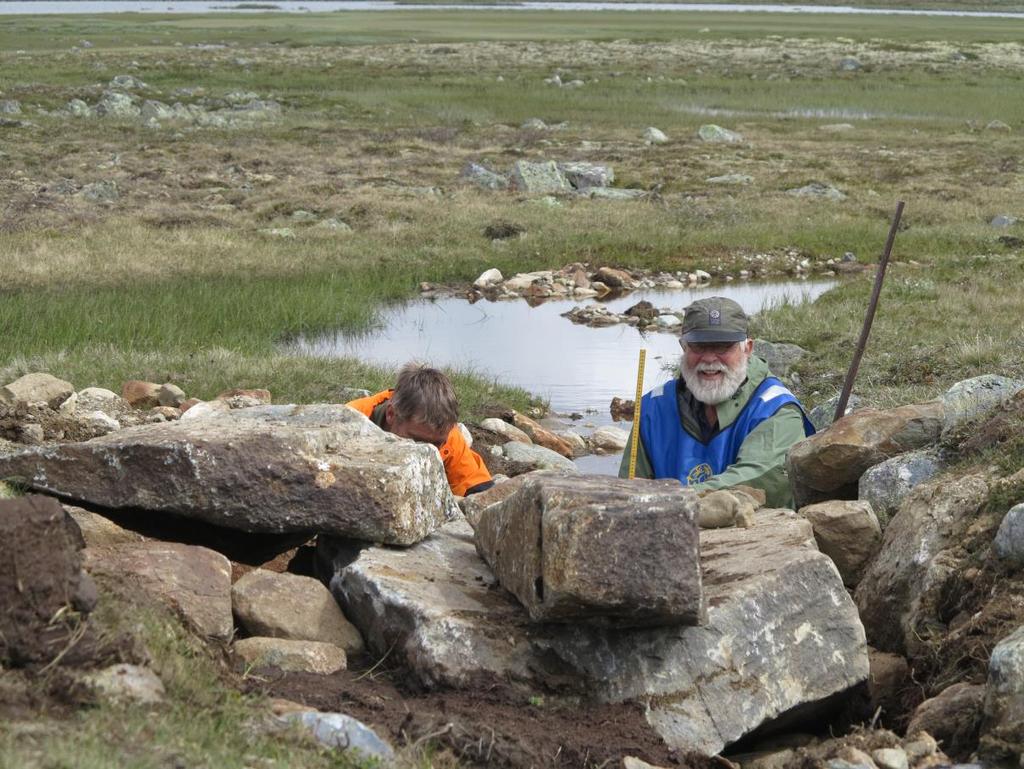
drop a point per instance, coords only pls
(45, 626)
(490, 726)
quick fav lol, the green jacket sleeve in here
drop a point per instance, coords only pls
(761, 462)
(643, 465)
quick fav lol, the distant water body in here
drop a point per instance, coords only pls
(312, 6)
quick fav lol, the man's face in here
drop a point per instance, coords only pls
(414, 430)
(714, 371)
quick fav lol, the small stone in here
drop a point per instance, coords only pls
(538, 457)
(611, 439)
(1003, 220)
(259, 395)
(36, 388)
(849, 64)
(344, 733)
(997, 125)
(654, 136)
(483, 177)
(141, 394)
(488, 278)
(100, 192)
(817, 190)
(100, 422)
(714, 134)
(127, 683)
(292, 607)
(291, 656)
(890, 758)
(171, 395)
(507, 431)
(31, 434)
(334, 224)
(205, 409)
(730, 179)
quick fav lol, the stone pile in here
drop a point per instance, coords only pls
(235, 109)
(925, 551)
(780, 631)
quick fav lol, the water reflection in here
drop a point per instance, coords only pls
(576, 368)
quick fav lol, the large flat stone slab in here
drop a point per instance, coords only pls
(317, 468)
(781, 631)
(593, 547)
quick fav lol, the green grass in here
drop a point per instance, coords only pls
(204, 722)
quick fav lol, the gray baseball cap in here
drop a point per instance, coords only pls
(715, 319)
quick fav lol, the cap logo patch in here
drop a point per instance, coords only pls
(716, 317)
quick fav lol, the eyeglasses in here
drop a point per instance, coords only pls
(701, 348)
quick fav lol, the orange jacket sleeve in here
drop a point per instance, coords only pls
(463, 466)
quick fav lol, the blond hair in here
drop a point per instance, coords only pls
(425, 395)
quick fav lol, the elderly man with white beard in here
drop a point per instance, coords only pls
(725, 421)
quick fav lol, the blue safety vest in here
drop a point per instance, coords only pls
(674, 453)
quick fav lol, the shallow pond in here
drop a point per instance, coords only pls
(578, 369)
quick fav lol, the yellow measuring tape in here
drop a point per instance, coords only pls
(636, 414)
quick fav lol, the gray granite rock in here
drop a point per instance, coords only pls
(972, 399)
(1009, 542)
(540, 178)
(587, 175)
(483, 177)
(730, 179)
(614, 193)
(344, 733)
(817, 190)
(591, 547)
(781, 631)
(537, 457)
(780, 356)
(116, 105)
(653, 135)
(897, 593)
(823, 414)
(316, 468)
(887, 484)
(1002, 728)
(714, 134)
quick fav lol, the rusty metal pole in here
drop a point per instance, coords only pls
(869, 317)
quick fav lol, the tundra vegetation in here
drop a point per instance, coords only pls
(176, 251)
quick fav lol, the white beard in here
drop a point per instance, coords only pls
(718, 392)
